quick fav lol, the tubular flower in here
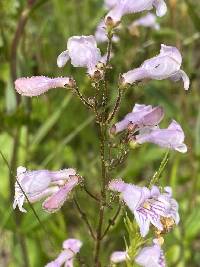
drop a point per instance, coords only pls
(70, 248)
(101, 36)
(37, 185)
(149, 206)
(172, 137)
(37, 85)
(83, 52)
(140, 117)
(118, 256)
(166, 65)
(123, 7)
(152, 256)
(148, 21)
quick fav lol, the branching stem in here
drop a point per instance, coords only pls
(111, 222)
(82, 98)
(116, 106)
(85, 218)
(90, 194)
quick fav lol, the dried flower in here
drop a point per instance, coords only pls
(140, 117)
(166, 65)
(172, 137)
(123, 7)
(70, 248)
(118, 256)
(83, 52)
(149, 206)
(38, 85)
(56, 185)
(152, 256)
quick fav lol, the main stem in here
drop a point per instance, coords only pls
(102, 202)
(102, 129)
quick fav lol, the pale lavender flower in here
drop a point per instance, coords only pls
(172, 137)
(140, 117)
(37, 85)
(152, 256)
(166, 65)
(70, 248)
(149, 206)
(118, 256)
(124, 7)
(110, 3)
(83, 52)
(101, 36)
(148, 21)
(37, 185)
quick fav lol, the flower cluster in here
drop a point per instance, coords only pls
(142, 125)
(153, 208)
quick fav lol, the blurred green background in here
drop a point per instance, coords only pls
(55, 131)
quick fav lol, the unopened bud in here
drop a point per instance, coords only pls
(113, 130)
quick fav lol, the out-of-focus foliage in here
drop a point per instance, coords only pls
(56, 131)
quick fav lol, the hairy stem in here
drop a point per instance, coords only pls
(84, 217)
(91, 194)
(102, 129)
(116, 106)
(82, 98)
(111, 222)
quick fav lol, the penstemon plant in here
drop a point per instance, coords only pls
(152, 206)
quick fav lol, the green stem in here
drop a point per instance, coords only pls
(85, 218)
(103, 195)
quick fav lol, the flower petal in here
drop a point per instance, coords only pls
(181, 75)
(60, 260)
(148, 20)
(55, 202)
(83, 51)
(37, 85)
(118, 256)
(143, 223)
(151, 257)
(62, 59)
(117, 185)
(132, 76)
(161, 7)
(73, 245)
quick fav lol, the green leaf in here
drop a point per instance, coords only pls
(158, 173)
(193, 14)
(66, 140)
(49, 123)
(197, 135)
(192, 225)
